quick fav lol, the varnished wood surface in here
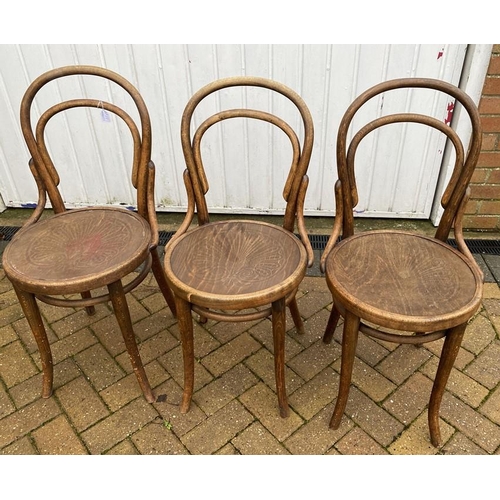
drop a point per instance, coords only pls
(84, 247)
(401, 280)
(235, 263)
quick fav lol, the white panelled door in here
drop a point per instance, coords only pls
(395, 181)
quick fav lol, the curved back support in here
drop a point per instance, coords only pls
(41, 163)
(300, 154)
(455, 193)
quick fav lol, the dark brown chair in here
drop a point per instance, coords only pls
(80, 250)
(239, 270)
(399, 286)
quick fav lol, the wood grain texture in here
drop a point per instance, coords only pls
(235, 263)
(401, 280)
(78, 249)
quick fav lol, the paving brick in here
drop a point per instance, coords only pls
(57, 437)
(478, 335)
(473, 425)
(374, 420)
(410, 399)
(22, 446)
(76, 321)
(7, 335)
(150, 325)
(460, 384)
(118, 426)
(226, 331)
(262, 364)
(314, 359)
(315, 437)
(98, 366)
(491, 407)
(156, 439)
(371, 382)
(415, 440)
(73, 344)
(25, 334)
(16, 364)
(357, 442)
(315, 394)
(263, 403)
(461, 445)
(230, 385)
(204, 341)
(6, 405)
(17, 425)
(230, 354)
(257, 440)
(219, 428)
(402, 362)
(123, 448)
(486, 367)
(173, 363)
(81, 403)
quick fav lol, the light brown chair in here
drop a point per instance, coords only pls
(239, 270)
(400, 286)
(81, 250)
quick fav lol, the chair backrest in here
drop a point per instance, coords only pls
(41, 163)
(455, 195)
(296, 182)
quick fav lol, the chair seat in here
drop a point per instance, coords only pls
(403, 281)
(235, 264)
(77, 250)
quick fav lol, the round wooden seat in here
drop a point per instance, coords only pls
(403, 281)
(235, 264)
(77, 250)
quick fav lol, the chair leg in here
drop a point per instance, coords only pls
(159, 274)
(297, 319)
(90, 309)
(451, 346)
(185, 319)
(331, 325)
(122, 314)
(34, 318)
(349, 342)
(279, 329)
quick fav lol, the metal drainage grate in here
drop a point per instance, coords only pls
(318, 241)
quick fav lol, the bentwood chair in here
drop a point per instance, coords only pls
(240, 270)
(400, 286)
(62, 258)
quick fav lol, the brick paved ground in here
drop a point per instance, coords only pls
(98, 408)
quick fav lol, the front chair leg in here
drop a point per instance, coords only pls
(449, 353)
(349, 342)
(122, 314)
(279, 328)
(185, 319)
(34, 318)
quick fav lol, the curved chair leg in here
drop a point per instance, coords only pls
(349, 342)
(32, 313)
(122, 314)
(279, 329)
(159, 274)
(331, 325)
(186, 329)
(451, 346)
(297, 319)
(90, 309)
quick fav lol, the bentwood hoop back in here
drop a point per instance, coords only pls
(395, 286)
(240, 270)
(80, 250)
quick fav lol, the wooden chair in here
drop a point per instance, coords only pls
(399, 286)
(80, 250)
(239, 270)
